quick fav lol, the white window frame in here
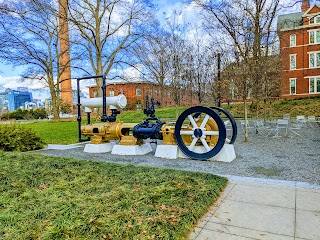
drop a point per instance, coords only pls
(315, 84)
(295, 86)
(314, 19)
(138, 91)
(111, 92)
(316, 59)
(291, 67)
(138, 106)
(293, 40)
(314, 39)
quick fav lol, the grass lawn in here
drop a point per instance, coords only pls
(62, 198)
(55, 132)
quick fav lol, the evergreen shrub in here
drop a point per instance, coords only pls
(16, 138)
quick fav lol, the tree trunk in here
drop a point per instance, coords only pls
(177, 112)
(246, 136)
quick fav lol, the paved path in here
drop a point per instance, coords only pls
(262, 210)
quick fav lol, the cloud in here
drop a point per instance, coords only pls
(16, 81)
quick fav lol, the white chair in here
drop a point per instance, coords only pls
(295, 129)
(311, 120)
(261, 128)
(301, 119)
(243, 123)
(282, 126)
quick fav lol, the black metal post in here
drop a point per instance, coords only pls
(104, 116)
(79, 104)
(88, 118)
(79, 110)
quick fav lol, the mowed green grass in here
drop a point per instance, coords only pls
(59, 198)
(54, 132)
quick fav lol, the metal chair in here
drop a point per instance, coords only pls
(261, 128)
(302, 120)
(311, 120)
(295, 129)
(282, 125)
(243, 123)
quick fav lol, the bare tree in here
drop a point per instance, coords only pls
(246, 27)
(29, 31)
(153, 53)
(203, 68)
(178, 58)
(106, 29)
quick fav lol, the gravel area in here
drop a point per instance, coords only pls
(293, 159)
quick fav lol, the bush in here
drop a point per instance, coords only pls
(20, 114)
(16, 138)
(40, 113)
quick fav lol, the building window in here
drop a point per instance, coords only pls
(95, 93)
(138, 106)
(138, 91)
(111, 92)
(314, 19)
(311, 20)
(292, 86)
(314, 36)
(156, 92)
(314, 60)
(292, 61)
(292, 40)
(314, 85)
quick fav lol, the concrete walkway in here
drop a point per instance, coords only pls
(257, 209)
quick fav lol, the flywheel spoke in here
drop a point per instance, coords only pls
(211, 133)
(193, 143)
(205, 120)
(194, 124)
(186, 132)
(205, 144)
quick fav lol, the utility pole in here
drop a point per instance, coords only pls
(64, 59)
(219, 79)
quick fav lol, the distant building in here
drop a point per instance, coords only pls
(17, 99)
(13, 99)
(299, 35)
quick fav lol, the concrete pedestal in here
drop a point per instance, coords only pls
(226, 154)
(167, 151)
(132, 150)
(99, 148)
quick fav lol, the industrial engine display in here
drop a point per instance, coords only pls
(199, 132)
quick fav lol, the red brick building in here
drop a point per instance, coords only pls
(299, 35)
(136, 92)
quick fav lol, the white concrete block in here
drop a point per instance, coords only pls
(99, 148)
(132, 150)
(226, 154)
(167, 151)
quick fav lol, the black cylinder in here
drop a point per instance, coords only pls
(148, 130)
